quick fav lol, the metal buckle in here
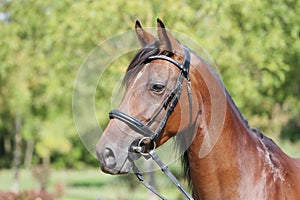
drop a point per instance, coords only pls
(141, 146)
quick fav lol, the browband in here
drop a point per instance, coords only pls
(185, 67)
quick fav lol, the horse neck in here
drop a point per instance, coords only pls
(215, 155)
(215, 173)
(226, 159)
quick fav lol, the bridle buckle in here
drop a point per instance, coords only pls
(144, 146)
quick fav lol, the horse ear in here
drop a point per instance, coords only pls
(168, 42)
(143, 36)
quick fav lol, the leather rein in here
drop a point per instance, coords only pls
(140, 146)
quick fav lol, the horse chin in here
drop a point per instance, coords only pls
(125, 169)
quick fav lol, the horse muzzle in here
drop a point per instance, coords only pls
(110, 163)
(112, 151)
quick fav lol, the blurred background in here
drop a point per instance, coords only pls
(255, 44)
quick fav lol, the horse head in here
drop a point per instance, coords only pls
(157, 93)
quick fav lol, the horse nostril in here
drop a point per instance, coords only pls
(109, 158)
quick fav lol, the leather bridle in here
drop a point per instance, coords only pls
(146, 145)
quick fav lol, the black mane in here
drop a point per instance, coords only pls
(182, 142)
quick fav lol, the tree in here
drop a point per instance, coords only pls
(43, 43)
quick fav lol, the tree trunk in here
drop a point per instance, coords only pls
(28, 153)
(7, 144)
(46, 173)
(17, 153)
(7, 148)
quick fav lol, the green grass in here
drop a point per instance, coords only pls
(91, 184)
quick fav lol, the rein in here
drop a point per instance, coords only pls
(140, 146)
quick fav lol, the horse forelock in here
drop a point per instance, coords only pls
(139, 61)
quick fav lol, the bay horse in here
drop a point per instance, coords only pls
(223, 157)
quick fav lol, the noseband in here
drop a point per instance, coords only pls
(144, 129)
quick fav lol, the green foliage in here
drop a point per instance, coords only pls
(291, 131)
(255, 44)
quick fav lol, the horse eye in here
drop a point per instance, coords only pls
(157, 88)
